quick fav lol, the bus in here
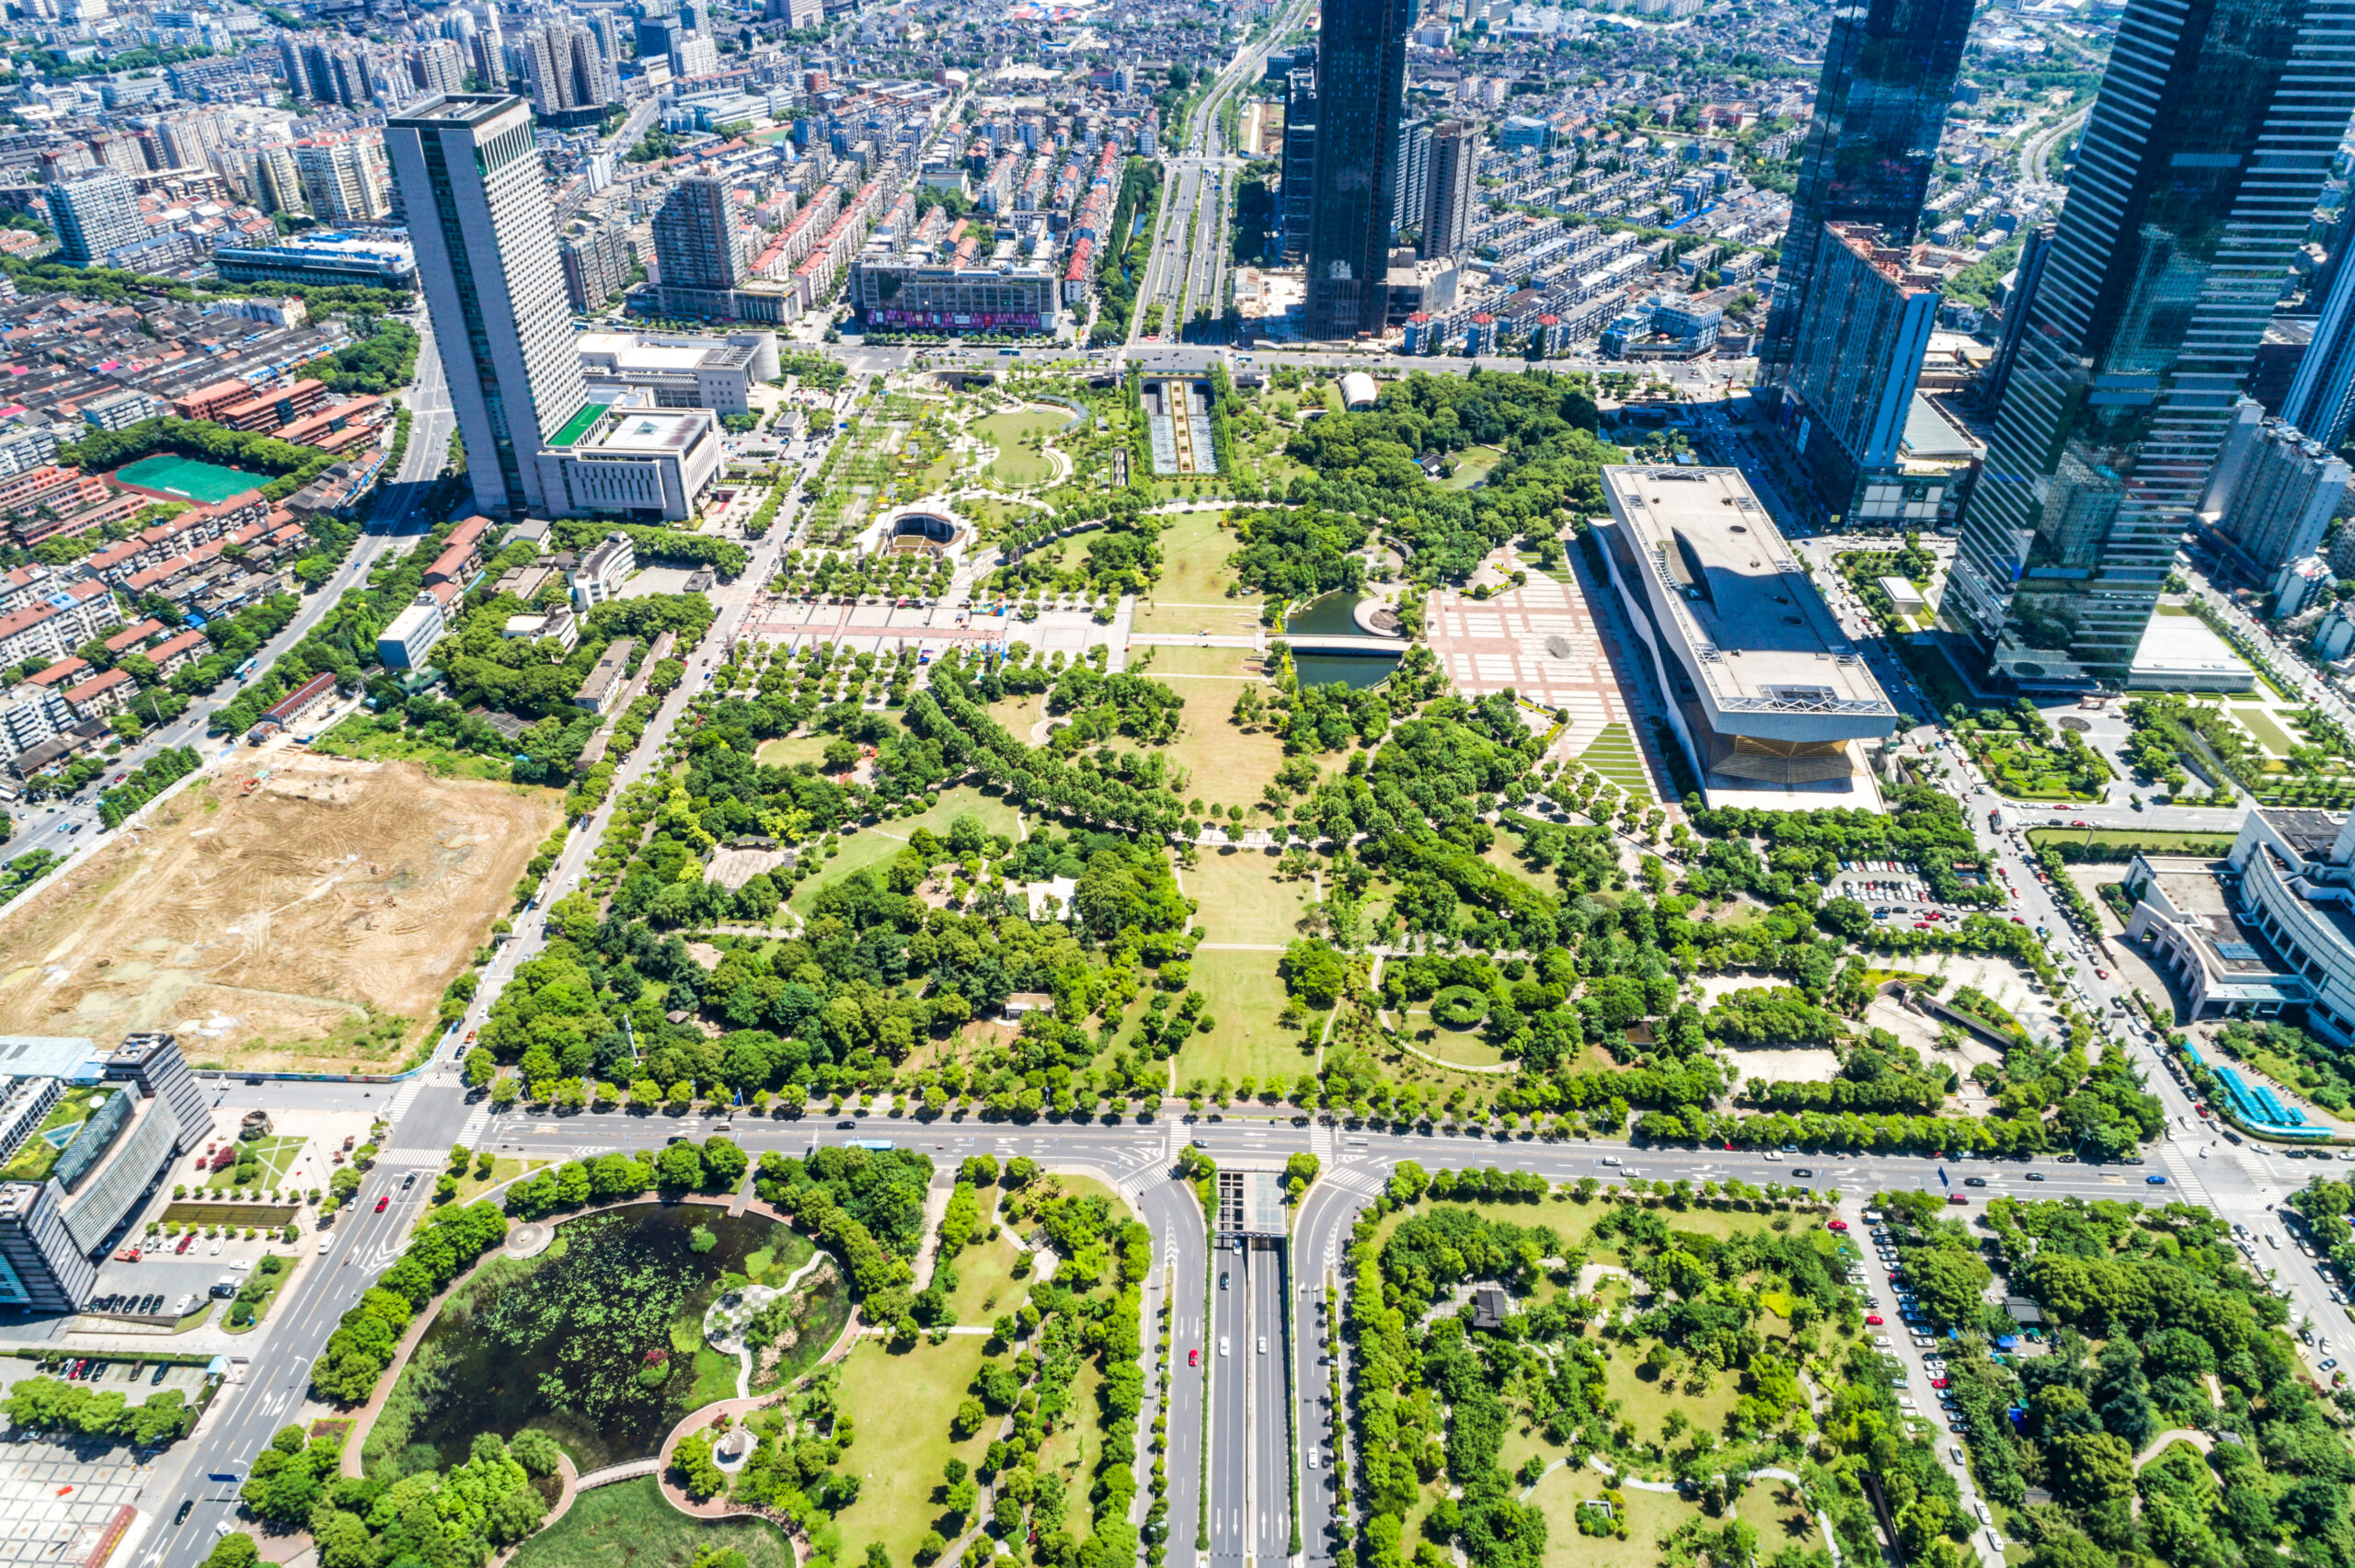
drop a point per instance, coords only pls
(244, 670)
(876, 1145)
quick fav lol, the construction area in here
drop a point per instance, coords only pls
(303, 914)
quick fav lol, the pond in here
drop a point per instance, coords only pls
(1330, 617)
(598, 1340)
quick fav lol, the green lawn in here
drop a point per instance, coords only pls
(2149, 841)
(1244, 995)
(871, 846)
(274, 1155)
(1471, 467)
(1241, 898)
(1194, 549)
(901, 1402)
(1617, 756)
(1017, 463)
(986, 1288)
(1177, 662)
(785, 751)
(2270, 735)
(627, 1525)
(1225, 764)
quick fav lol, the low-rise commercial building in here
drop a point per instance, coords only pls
(642, 463)
(1767, 696)
(678, 370)
(322, 260)
(606, 676)
(916, 291)
(403, 642)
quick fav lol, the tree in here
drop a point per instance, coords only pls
(534, 1450)
(235, 1550)
(679, 1167)
(724, 1164)
(1947, 1281)
(969, 1419)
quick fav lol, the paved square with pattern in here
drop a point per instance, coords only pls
(55, 1508)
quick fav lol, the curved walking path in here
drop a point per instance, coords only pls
(2197, 1439)
(1634, 1484)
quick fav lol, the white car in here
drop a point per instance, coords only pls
(1221, 1345)
(326, 1242)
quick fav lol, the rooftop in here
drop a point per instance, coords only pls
(2183, 647)
(1764, 639)
(653, 432)
(49, 1056)
(458, 108)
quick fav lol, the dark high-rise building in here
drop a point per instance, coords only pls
(699, 238)
(1451, 202)
(2321, 394)
(1410, 177)
(2019, 299)
(1300, 155)
(1889, 70)
(2195, 183)
(1360, 93)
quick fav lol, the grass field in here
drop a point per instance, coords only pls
(1616, 756)
(1242, 900)
(1244, 995)
(1176, 662)
(871, 846)
(902, 1403)
(275, 1156)
(1457, 1047)
(1471, 467)
(258, 1216)
(627, 1525)
(1224, 764)
(2270, 735)
(1016, 464)
(785, 750)
(1650, 1516)
(361, 738)
(1194, 575)
(986, 1288)
(171, 475)
(2150, 840)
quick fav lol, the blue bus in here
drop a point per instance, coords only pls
(244, 670)
(880, 1145)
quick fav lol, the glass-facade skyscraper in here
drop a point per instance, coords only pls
(1361, 96)
(1889, 70)
(2195, 182)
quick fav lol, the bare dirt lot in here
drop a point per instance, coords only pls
(287, 928)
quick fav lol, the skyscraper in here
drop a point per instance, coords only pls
(1411, 176)
(569, 81)
(93, 213)
(1300, 156)
(1453, 188)
(485, 232)
(2027, 275)
(2195, 182)
(2322, 396)
(1854, 367)
(699, 237)
(1889, 70)
(2283, 501)
(1360, 91)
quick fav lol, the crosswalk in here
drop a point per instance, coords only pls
(404, 1098)
(413, 1159)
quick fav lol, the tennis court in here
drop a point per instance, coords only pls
(186, 478)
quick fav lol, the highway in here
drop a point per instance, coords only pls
(64, 827)
(1186, 267)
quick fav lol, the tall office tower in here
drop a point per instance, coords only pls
(1854, 366)
(699, 237)
(1889, 70)
(1300, 157)
(1361, 90)
(2019, 298)
(438, 65)
(795, 14)
(487, 257)
(2322, 394)
(2215, 127)
(93, 213)
(2283, 500)
(1454, 205)
(121, 153)
(1410, 177)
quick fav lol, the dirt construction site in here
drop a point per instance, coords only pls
(303, 914)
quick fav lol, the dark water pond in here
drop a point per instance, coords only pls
(596, 1341)
(1331, 615)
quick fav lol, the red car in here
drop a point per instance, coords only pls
(386, 1201)
(1937, 1382)
(1951, 1197)
(186, 1242)
(1837, 1225)
(1193, 1358)
(2101, 974)
(128, 1255)
(1920, 925)
(2016, 920)
(1875, 1319)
